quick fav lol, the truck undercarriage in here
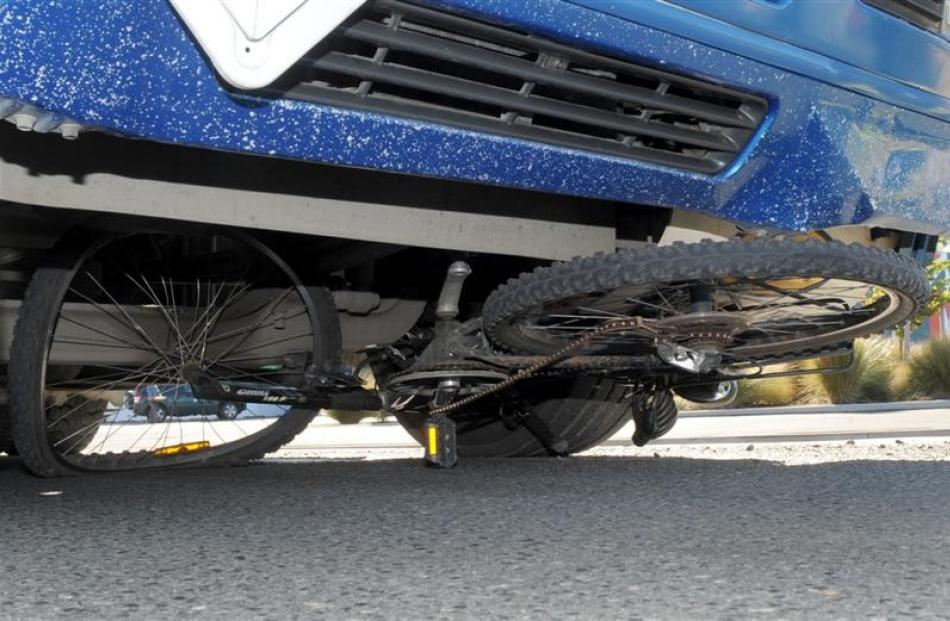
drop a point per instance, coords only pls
(526, 357)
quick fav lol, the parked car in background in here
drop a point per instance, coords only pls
(157, 402)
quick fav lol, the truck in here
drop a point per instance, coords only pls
(538, 220)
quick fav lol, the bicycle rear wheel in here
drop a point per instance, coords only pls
(737, 302)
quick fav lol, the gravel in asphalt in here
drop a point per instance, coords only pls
(791, 532)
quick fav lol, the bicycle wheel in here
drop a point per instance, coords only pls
(734, 302)
(114, 320)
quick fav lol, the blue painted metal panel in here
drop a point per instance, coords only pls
(878, 52)
(827, 156)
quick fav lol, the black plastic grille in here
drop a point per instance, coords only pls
(924, 13)
(407, 60)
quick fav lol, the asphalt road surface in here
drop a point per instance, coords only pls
(705, 533)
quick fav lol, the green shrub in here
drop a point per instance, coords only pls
(869, 379)
(900, 382)
(685, 405)
(878, 374)
(928, 370)
(768, 392)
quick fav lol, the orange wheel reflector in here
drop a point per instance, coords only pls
(182, 449)
(810, 235)
(795, 284)
(785, 284)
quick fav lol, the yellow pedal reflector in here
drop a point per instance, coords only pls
(182, 449)
(433, 442)
(440, 442)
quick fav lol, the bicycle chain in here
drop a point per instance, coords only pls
(617, 325)
(612, 325)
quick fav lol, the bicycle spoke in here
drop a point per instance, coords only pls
(770, 310)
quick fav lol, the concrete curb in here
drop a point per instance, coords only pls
(848, 408)
(837, 436)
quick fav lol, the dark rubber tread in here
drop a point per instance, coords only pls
(760, 258)
(6, 434)
(589, 412)
(665, 415)
(76, 428)
(35, 320)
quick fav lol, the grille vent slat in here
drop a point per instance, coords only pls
(927, 14)
(407, 60)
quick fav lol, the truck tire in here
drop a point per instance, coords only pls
(581, 413)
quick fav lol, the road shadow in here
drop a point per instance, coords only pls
(587, 477)
(9, 463)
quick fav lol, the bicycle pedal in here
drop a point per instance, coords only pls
(441, 448)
